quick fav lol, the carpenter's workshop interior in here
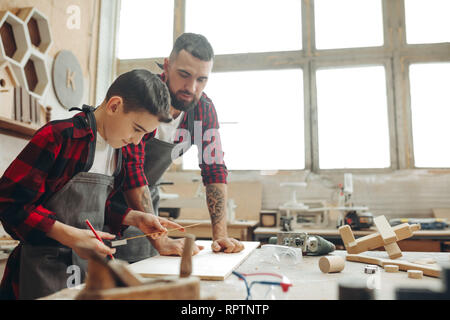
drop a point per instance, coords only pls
(234, 151)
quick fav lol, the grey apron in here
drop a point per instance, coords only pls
(158, 158)
(44, 268)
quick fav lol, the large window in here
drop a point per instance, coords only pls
(353, 118)
(237, 26)
(146, 29)
(348, 23)
(427, 21)
(430, 108)
(312, 84)
(261, 115)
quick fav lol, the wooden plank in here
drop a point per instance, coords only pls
(206, 265)
(432, 271)
(385, 229)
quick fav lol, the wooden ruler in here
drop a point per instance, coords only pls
(122, 242)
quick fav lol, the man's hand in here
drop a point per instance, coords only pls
(227, 245)
(150, 224)
(173, 247)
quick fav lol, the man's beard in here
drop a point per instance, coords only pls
(180, 104)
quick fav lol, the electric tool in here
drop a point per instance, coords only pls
(311, 245)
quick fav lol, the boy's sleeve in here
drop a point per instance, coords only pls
(135, 157)
(115, 212)
(23, 183)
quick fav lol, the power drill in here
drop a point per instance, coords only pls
(311, 245)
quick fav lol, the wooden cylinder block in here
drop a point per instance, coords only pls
(415, 274)
(391, 268)
(331, 264)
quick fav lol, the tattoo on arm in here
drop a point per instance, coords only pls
(215, 199)
(146, 200)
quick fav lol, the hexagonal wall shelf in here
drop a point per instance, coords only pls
(15, 41)
(38, 28)
(34, 75)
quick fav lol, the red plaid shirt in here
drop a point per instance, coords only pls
(55, 154)
(211, 173)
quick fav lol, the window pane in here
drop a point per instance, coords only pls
(427, 21)
(237, 26)
(353, 118)
(348, 23)
(145, 29)
(430, 108)
(261, 119)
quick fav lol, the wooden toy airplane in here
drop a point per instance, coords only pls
(386, 237)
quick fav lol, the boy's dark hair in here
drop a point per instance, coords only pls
(195, 44)
(142, 90)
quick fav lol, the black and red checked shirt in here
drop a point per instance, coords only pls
(55, 154)
(211, 173)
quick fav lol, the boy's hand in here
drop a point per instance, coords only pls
(80, 239)
(87, 240)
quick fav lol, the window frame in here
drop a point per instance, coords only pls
(395, 54)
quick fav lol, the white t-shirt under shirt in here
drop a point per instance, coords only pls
(166, 131)
(104, 159)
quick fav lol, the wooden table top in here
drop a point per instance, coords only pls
(309, 283)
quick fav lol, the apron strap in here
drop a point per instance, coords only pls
(190, 122)
(89, 111)
(118, 163)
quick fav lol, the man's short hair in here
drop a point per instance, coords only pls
(141, 90)
(196, 44)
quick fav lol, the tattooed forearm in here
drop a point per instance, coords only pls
(215, 199)
(139, 199)
(146, 200)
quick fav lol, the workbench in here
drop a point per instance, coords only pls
(309, 283)
(238, 229)
(422, 240)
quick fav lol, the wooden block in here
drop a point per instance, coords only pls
(186, 258)
(385, 229)
(167, 288)
(393, 250)
(331, 264)
(346, 235)
(415, 274)
(391, 268)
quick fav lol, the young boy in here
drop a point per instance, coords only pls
(68, 173)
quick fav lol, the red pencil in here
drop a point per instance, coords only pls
(96, 235)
